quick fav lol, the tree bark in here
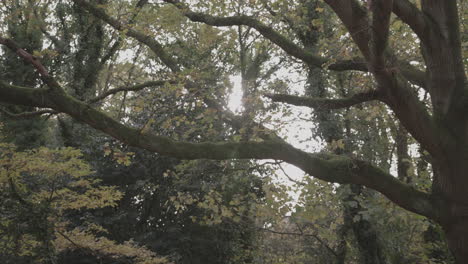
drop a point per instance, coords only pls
(457, 238)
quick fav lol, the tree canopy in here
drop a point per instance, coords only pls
(385, 81)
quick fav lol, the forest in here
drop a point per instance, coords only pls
(233, 132)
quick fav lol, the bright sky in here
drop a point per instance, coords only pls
(298, 131)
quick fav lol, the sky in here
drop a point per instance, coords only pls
(296, 133)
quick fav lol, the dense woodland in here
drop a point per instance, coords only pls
(118, 145)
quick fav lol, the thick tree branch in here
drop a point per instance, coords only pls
(409, 110)
(445, 64)
(354, 18)
(25, 56)
(356, 64)
(17, 95)
(229, 117)
(404, 102)
(328, 167)
(94, 100)
(288, 46)
(324, 103)
(412, 16)
(411, 73)
(395, 91)
(380, 27)
(414, 75)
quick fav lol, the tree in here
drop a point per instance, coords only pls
(41, 191)
(440, 128)
(25, 133)
(200, 213)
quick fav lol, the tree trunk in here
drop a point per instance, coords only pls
(454, 210)
(457, 238)
(450, 184)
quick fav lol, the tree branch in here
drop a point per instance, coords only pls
(139, 5)
(411, 73)
(356, 64)
(61, 45)
(17, 95)
(289, 177)
(25, 56)
(152, 43)
(412, 16)
(354, 18)
(380, 27)
(323, 103)
(229, 117)
(445, 63)
(288, 46)
(28, 114)
(404, 102)
(327, 167)
(301, 234)
(394, 89)
(134, 88)
(94, 100)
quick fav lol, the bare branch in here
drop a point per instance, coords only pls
(128, 89)
(301, 234)
(28, 114)
(114, 48)
(289, 177)
(61, 45)
(323, 103)
(111, 51)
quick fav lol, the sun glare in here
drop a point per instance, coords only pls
(235, 98)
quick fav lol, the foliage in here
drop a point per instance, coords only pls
(41, 188)
(385, 82)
